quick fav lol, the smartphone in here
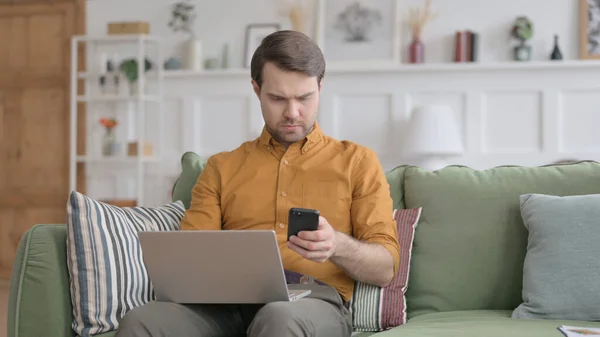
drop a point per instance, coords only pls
(302, 219)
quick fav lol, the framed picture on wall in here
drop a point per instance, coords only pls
(355, 32)
(589, 29)
(255, 33)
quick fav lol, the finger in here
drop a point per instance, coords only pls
(308, 244)
(318, 235)
(317, 256)
(323, 222)
(312, 245)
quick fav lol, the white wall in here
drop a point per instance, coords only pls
(218, 23)
(517, 114)
(509, 114)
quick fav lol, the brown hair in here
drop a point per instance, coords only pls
(289, 50)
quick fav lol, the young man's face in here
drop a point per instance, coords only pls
(289, 102)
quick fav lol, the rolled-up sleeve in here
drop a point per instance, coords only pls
(205, 206)
(372, 206)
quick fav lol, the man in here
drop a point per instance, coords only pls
(291, 164)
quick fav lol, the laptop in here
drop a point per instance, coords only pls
(216, 267)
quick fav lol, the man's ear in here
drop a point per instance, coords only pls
(320, 85)
(256, 88)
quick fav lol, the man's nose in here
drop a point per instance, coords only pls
(292, 110)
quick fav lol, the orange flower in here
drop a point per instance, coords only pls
(108, 123)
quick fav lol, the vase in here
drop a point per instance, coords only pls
(416, 51)
(194, 59)
(109, 143)
(522, 52)
(556, 53)
(133, 88)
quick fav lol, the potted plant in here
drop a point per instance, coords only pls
(129, 68)
(109, 144)
(417, 20)
(183, 15)
(522, 31)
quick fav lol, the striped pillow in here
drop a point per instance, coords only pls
(377, 309)
(107, 274)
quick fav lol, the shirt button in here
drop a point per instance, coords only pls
(283, 194)
(286, 162)
(281, 225)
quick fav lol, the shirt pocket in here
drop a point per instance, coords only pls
(325, 196)
(332, 200)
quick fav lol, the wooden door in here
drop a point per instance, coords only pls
(35, 44)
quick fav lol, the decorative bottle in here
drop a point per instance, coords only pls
(417, 51)
(556, 53)
(103, 74)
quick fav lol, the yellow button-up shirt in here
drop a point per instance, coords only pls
(254, 186)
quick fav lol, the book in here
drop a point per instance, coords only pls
(466, 46)
(578, 331)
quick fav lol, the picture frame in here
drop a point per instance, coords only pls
(375, 40)
(255, 33)
(589, 29)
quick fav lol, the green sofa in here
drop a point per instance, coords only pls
(467, 259)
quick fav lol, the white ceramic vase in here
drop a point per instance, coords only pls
(194, 59)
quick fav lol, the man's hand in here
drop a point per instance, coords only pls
(365, 262)
(317, 245)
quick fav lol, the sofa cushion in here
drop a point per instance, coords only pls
(470, 244)
(395, 179)
(488, 323)
(562, 264)
(39, 302)
(104, 259)
(191, 167)
(375, 308)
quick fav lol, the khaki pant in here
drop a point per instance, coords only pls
(322, 313)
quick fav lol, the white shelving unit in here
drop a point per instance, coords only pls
(140, 99)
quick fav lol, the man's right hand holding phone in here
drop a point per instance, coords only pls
(315, 245)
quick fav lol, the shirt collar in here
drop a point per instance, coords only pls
(265, 138)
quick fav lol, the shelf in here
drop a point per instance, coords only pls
(116, 159)
(84, 75)
(86, 88)
(109, 98)
(126, 38)
(468, 66)
(349, 68)
(208, 72)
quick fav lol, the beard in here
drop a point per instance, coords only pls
(289, 136)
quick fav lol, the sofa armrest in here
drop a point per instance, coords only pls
(39, 301)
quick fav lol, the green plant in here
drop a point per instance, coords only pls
(129, 68)
(522, 29)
